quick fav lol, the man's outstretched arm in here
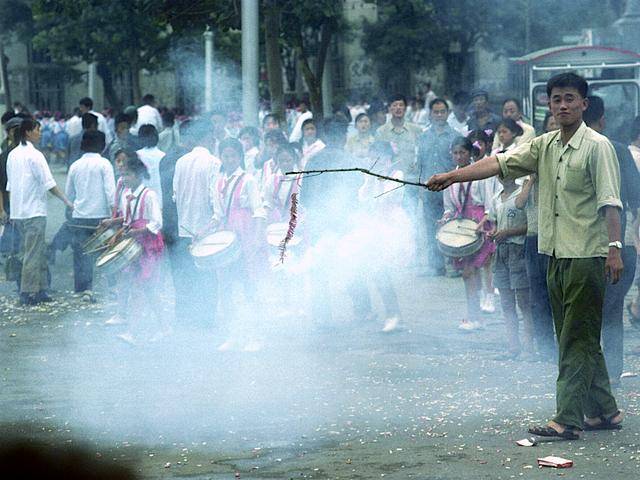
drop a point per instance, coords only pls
(485, 168)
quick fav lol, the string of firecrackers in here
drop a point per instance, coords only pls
(293, 212)
(293, 222)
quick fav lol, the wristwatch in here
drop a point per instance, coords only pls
(617, 244)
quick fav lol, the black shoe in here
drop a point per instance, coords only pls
(27, 299)
(42, 297)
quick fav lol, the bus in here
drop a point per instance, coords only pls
(612, 73)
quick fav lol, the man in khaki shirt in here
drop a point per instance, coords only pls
(579, 228)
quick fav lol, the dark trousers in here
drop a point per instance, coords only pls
(82, 264)
(433, 211)
(537, 264)
(612, 331)
(576, 291)
(196, 291)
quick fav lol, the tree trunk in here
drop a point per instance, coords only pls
(274, 58)
(4, 75)
(135, 83)
(106, 75)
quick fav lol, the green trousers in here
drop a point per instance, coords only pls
(576, 291)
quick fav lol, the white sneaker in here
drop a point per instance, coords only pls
(390, 324)
(490, 303)
(87, 296)
(116, 320)
(127, 338)
(483, 304)
(253, 346)
(467, 326)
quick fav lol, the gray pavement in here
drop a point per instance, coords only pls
(426, 402)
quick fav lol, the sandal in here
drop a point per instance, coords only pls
(547, 431)
(606, 423)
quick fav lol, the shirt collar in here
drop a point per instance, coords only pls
(138, 190)
(576, 139)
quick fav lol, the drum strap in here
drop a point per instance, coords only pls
(135, 208)
(467, 194)
(231, 195)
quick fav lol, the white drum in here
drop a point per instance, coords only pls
(120, 256)
(216, 250)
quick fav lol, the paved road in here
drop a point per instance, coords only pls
(348, 402)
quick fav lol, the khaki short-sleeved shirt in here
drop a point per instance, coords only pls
(405, 141)
(575, 181)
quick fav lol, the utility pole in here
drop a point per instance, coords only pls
(208, 69)
(91, 83)
(250, 62)
(629, 26)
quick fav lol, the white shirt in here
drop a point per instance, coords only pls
(250, 158)
(74, 126)
(461, 127)
(193, 191)
(147, 115)
(91, 186)
(151, 212)
(250, 197)
(151, 158)
(278, 189)
(102, 126)
(296, 132)
(507, 215)
(28, 180)
(481, 193)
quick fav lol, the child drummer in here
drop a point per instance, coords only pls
(469, 200)
(141, 220)
(244, 214)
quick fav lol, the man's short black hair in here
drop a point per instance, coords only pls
(122, 118)
(6, 116)
(86, 102)
(334, 132)
(437, 101)
(148, 135)
(253, 133)
(397, 97)
(270, 116)
(595, 110)
(148, 99)
(168, 118)
(514, 100)
(89, 120)
(461, 98)
(568, 80)
(93, 141)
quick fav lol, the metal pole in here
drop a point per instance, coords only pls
(91, 81)
(327, 87)
(208, 69)
(250, 62)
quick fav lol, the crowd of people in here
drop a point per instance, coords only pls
(168, 183)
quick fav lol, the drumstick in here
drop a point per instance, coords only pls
(103, 247)
(187, 230)
(87, 227)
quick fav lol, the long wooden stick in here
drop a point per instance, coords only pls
(361, 170)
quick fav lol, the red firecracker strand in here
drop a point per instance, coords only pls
(293, 221)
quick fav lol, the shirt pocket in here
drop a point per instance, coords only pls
(575, 179)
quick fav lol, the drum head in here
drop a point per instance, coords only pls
(276, 232)
(458, 233)
(213, 244)
(113, 252)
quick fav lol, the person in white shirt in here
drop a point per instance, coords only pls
(148, 114)
(28, 180)
(198, 211)
(91, 187)
(311, 144)
(245, 215)
(304, 114)
(459, 118)
(250, 139)
(151, 156)
(511, 109)
(86, 106)
(139, 285)
(168, 137)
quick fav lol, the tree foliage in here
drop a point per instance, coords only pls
(119, 36)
